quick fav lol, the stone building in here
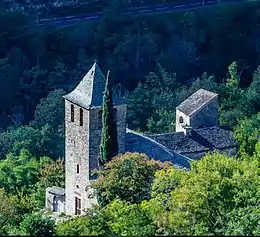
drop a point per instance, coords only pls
(197, 132)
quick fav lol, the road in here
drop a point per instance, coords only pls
(147, 10)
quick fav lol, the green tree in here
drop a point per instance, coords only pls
(18, 171)
(128, 177)
(161, 121)
(151, 102)
(42, 141)
(109, 144)
(37, 225)
(50, 110)
(31, 198)
(118, 218)
(253, 94)
(166, 180)
(139, 107)
(232, 99)
(126, 219)
(92, 224)
(52, 174)
(208, 206)
(247, 133)
(7, 212)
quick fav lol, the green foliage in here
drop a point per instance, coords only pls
(150, 101)
(73, 227)
(130, 47)
(125, 219)
(45, 135)
(165, 181)
(37, 225)
(116, 219)
(161, 121)
(128, 177)
(232, 98)
(150, 105)
(39, 142)
(109, 143)
(183, 202)
(52, 174)
(253, 94)
(50, 110)
(219, 196)
(7, 213)
(247, 133)
(233, 81)
(18, 171)
(139, 107)
(25, 179)
(28, 200)
(243, 222)
(207, 206)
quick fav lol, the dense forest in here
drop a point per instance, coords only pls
(156, 62)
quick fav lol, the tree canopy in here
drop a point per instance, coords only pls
(128, 177)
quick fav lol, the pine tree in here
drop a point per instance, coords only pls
(109, 144)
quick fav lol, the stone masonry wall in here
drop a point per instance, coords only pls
(76, 152)
(207, 115)
(83, 148)
(178, 125)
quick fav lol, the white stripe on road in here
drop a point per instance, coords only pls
(67, 17)
(147, 10)
(161, 8)
(73, 20)
(195, 4)
(180, 6)
(91, 17)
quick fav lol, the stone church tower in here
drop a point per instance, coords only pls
(83, 124)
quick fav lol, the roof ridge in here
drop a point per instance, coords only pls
(93, 74)
(167, 133)
(172, 153)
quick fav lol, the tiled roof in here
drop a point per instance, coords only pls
(217, 136)
(89, 92)
(179, 143)
(56, 190)
(200, 140)
(139, 143)
(196, 101)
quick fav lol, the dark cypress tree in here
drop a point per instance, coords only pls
(109, 144)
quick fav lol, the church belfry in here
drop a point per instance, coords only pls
(83, 114)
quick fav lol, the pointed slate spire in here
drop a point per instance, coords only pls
(89, 92)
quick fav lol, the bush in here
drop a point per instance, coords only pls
(37, 225)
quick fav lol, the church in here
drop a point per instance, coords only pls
(196, 133)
